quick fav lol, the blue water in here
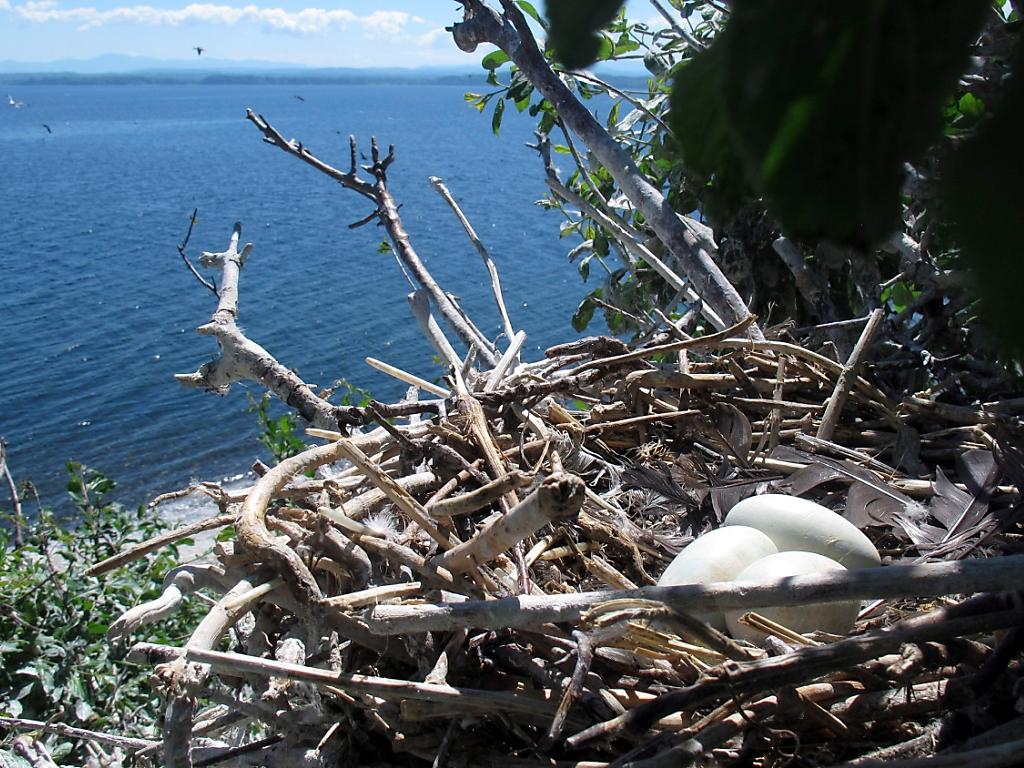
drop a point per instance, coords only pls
(97, 312)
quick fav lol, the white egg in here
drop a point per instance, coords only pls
(802, 525)
(837, 618)
(718, 555)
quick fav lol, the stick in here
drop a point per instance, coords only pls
(387, 211)
(481, 497)
(492, 270)
(848, 376)
(408, 378)
(512, 34)
(144, 548)
(419, 302)
(71, 732)
(383, 687)
(511, 354)
(925, 580)
(559, 497)
(998, 756)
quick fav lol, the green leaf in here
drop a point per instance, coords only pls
(606, 48)
(499, 110)
(494, 59)
(530, 11)
(985, 198)
(575, 25)
(583, 315)
(971, 106)
(828, 101)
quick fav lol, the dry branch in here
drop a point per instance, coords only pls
(511, 33)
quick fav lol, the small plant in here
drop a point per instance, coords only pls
(277, 434)
(54, 659)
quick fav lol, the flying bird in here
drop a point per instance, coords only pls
(48, 128)
(14, 102)
(296, 96)
(199, 50)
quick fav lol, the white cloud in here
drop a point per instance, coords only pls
(386, 23)
(307, 20)
(428, 39)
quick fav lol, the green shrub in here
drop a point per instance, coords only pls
(54, 658)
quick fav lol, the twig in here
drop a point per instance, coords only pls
(387, 211)
(378, 686)
(408, 378)
(212, 287)
(71, 732)
(144, 548)
(559, 497)
(18, 517)
(492, 270)
(481, 497)
(692, 41)
(848, 375)
(997, 756)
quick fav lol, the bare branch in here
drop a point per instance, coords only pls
(511, 33)
(184, 257)
(387, 212)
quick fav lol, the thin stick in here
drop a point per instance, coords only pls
(373, 595)
(511, 354)
(408, 378)
(997, 756)
(398, 495)
(150, 545)
(419, 303)
(848, 376)
(704, 341)
(470, 502)
(383, 687)
(212, 287)
(71, 732)
(492, 270)
(19, 539)
(689, 38)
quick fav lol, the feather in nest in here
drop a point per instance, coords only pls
(962, 517)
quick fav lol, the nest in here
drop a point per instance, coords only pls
(475, 588)
(470, 579)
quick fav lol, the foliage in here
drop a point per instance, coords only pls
(281, 434)
(55, 661)
(278, 434)
(575, 29)
(880, 138)
(823, 108)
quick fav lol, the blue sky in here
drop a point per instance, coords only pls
(344, 33)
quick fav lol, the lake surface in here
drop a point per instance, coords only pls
(97, 312)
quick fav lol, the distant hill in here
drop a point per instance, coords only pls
(119, 69)
(113, 63)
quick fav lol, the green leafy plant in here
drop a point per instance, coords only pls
(278, 434)
(55, 661)
(880, 139)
